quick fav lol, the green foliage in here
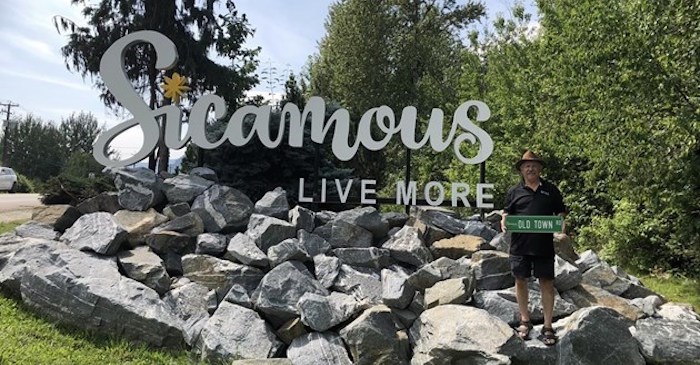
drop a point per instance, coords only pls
(24, 184)
(395, 53)
(197, 28)
(72, 189)
(674, 288)
(28, 339)
(34, 148)
(6, 227)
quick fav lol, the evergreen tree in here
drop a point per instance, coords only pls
(194, 27)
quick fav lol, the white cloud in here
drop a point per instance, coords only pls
(45, 79)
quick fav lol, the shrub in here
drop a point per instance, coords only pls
(69, 189)
(24, 184)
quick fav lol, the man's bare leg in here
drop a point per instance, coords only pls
(522, 296)
(547, 289)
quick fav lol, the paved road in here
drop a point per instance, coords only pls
(12, 202)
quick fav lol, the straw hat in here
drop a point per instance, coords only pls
(529, 156)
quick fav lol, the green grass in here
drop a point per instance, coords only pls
(674, 288)
(7, 227)
(26, 338)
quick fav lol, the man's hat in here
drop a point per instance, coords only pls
(529, 156)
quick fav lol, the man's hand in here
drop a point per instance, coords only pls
(503, 222)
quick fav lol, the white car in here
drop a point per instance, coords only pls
(8, 180)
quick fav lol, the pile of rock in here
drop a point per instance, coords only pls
(186, 261)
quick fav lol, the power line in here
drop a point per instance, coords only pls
(9, 106)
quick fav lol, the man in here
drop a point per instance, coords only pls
(533, 252)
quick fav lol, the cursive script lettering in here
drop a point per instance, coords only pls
(116, 80)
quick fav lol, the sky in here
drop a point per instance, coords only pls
(33, 72)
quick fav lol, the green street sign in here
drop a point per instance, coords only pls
(534, 223)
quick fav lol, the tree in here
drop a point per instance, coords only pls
(79, 131)
(35, 148)
(391, 52)
(194, 26)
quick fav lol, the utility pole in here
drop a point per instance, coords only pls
(9, 106)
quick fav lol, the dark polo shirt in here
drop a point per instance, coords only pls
(521, 200)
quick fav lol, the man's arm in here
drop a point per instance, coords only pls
(503, 221)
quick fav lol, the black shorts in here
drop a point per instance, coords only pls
(524, 266)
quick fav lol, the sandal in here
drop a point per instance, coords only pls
(524, 329)
(549, 337)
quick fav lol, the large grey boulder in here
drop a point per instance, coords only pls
(367, 218)
(587, 260)
(318, 348)
(449, 334)
(566, 275)
(97, 232)
(598, 336)
(268, 231)
(169, 241)
(501, 242)
(450, 291)
(586, 295)
(173, 211)
(289, 249)
(603, 276)
(426, 276)
(492, 270)
(503, 304)
(314, 244)
(480, 229)
(321, 312)
(429, 234)
(139, 189)
(60, 217)
(102, 202)
(34, 229)
(362, 282)
(87, 291)
(213, 244)
(291, 330)
(190, 224)
(344, 234)
(395, 219)
(219, 274)
(241, 248)
(664, 341)
(377, 258)
(279, 291)
(235, 332)
(396, 291)
(184, 188)
(206, 173)
(144, 266)
(326, 269)
(442, 220)
(677, 312)
(564, 247)
(648, 305)
(223, 209)
(189, 302)
(139, 224)
(302, 218)
(19, 256)
(406, 246)
(274, 204)
(373, 339)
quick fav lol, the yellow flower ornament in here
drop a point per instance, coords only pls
(175, 87)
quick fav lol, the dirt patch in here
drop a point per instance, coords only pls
(16, 215)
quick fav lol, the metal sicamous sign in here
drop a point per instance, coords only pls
(462, 129)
